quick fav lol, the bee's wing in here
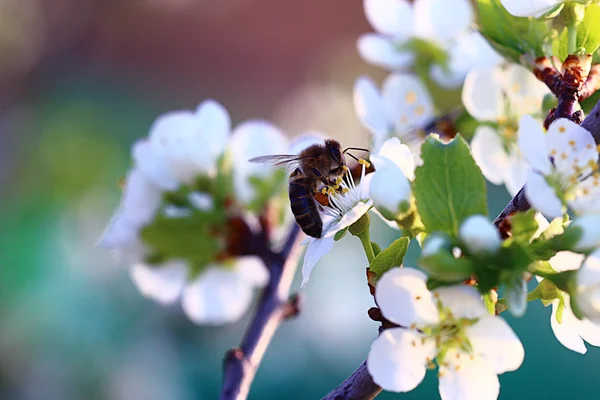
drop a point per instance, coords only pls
(288, 160)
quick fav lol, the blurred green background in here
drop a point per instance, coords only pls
(80, 80)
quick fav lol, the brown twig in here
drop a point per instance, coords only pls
(274, 307)
(358, 386)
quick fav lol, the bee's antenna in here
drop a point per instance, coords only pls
(355, 148)
(351, 156)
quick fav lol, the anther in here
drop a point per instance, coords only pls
(364, 162)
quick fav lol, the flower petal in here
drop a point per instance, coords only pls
(390, 17)
(217, 296)
(566, 332)
(252, 271)
(524, 91)
(479, 234)
(433, 20)
(369, 107)
(542, 197)
(494, 340)
(407, 102)
(162, 283)
(398, 358)
(533, 145)
(489, 154)
(515, 175)
(403, 298)
(463, 301)
(315, 250)
(482, 94)
(250, 139)
(529, 8)
(573, 147)
(215, 126)
(153, 166)
(390, 190)
(400, 155)
(468, 380)
(566, 261)
(380, 51)
(590, 238)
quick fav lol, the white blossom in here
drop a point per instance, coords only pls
(346, 206)
(480, 235)
(401, 28)
(564, 167)
(590, 232)
(218, 295)
(181, 147)
(587, 291)
(570, 331)
(530, 8)
(449, 325)
(499, 97)
(402, 108)
(434, 243)
(390, 185)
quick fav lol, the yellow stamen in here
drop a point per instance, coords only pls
(345, 190)
(338, 181)
(562, 129)
(324, 190)
(364, 162)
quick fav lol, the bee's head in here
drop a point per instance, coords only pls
(336, 158)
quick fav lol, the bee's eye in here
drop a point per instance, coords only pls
(335, 154)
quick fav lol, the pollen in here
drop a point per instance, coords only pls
(456, 367)
(324, 190)
(589, 146)
(516, 87)
(364, 162)
(413, 326)
(598, 147)
(410, 97)
(418, 298)
(345, 190)
(338, 180)
(564, 156)
(420, 110)
(404, 119)
(413, 343)
(553, 152)
(345, 168)
(585, 192)
(562, 129)
(572, 143)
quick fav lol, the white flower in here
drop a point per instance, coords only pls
(500, 96)
(345, 208)
(530, 8)
(140, 201)
(402, 29)
(587, 292)
(449, 325)
(218, 295)
(390, 185)
(403, 108)
(564, 167)
(570, 331)
(480, 235)
(253, 139)
(434, 244)
(470, 51)
(590, 232)
(182, 145)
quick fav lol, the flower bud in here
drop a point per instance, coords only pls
(434, 244)
(390, 189)
(590, 235)
(479, 235)
(587, 291)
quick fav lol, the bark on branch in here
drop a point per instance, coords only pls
(358, 386)
(275, 305)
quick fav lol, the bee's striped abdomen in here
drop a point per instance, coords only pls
(303, 204)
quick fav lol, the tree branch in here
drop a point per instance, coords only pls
(274, 306)
(358, 386)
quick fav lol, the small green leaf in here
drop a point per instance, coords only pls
(490, 304)
(445, 267)
(524, 226)
(340, 234)
(448, 186)
(376, 248)
(390, 257)
(512, 36)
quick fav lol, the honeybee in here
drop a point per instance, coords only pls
(317, 166)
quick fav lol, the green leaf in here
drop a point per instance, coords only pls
(340, 234)
(444, 267)
(448, 186)
(490, 304)
(266, 188)
(512, 36)
(524, 226)
(187, 238)
(376, 248)
(390, 257)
